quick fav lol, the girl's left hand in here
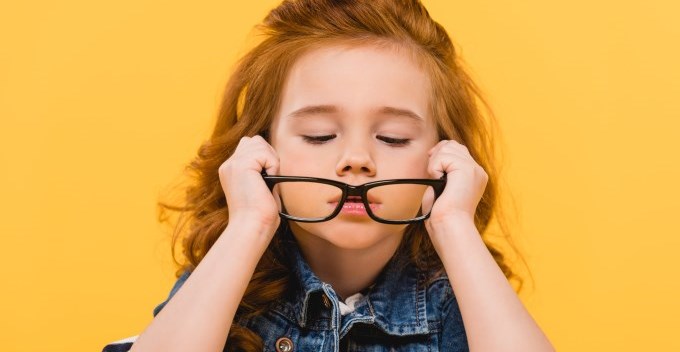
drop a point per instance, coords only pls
(465, 181)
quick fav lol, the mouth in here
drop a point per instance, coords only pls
(354, 206)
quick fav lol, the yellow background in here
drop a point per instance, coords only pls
(102, 104)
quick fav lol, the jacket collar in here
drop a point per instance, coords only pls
(396, 303)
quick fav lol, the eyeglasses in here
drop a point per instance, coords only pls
(395, 201)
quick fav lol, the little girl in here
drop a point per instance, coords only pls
(338, 95)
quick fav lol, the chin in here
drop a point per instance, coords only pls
(349, 234)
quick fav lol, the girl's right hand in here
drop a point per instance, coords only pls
(248, 197)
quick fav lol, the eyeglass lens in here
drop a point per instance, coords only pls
(315, 201)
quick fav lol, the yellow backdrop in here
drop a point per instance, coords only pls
(102, 104)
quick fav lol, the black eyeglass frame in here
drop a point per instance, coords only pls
(359, 190)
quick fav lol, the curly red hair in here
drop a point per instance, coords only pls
(251, 99)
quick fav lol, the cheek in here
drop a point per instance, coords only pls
(404, 165)
(304, 162)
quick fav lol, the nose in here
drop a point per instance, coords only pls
(356, 160)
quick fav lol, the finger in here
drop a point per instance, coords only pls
(263, 141)
(446, 163)
(268, 161)
(258, 154)
(436, 147)
(460, 147)
(435, 155)
(259, 141)
(453, 148)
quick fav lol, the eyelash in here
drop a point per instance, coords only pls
(323, 139)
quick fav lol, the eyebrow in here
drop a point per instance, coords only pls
(330, 109)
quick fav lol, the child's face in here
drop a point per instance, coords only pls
(373, 99)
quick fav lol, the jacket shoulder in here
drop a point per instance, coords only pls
(180, 281)
(123, 345)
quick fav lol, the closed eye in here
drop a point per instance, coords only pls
(326, 138)
(318, 139)
(394, 141)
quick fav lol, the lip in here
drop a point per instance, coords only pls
(355, 208)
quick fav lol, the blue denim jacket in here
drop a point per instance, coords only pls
(399, 312)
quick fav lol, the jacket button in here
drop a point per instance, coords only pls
(326, 301)
(284, 344)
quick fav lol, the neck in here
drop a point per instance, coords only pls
(348, 271)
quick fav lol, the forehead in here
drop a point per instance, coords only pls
(357, 80)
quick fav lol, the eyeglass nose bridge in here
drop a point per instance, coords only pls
(360, 190)
(355, 191)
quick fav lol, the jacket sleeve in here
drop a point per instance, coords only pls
(453, 330)
(124, 345)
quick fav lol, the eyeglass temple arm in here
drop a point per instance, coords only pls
(439, 187)
(269, 184)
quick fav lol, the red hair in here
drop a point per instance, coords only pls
(251, 99)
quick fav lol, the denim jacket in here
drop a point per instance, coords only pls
(399, 312)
